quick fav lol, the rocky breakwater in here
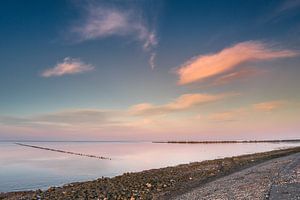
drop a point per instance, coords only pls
(62, 151)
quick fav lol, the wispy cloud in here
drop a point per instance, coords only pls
(101, 21)
(227, 116)
(144, 115)
(66, 118)
(184, 102)
(268, 106)
(68, 66)
(283, 10)
(207, 66)
(152, 60)
(140, 115)
(241, 74)
(288, 5)
(238, 114)
(174, 117)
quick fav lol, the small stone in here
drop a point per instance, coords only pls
(148, 185)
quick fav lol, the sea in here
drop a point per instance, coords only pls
(27, 168)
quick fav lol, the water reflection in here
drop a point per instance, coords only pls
(24, 168)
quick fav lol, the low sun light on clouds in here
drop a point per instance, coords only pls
(68, 66)
(269, 106)
(183, 102)
(210, 65)
(111, 69)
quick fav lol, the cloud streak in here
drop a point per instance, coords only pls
(184, 102)
(136, 115)
(68, 66)
(228, 116)
(268, 106)
(152, 60)
(102, 21)
(239, 113)
(241, 74)
(203, 67)
(288, 5)
(66, 118)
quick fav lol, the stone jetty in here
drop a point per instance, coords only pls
(228, 141)
(63, 151)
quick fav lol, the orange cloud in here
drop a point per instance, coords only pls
(68, 66)
(239, 113)
(232, 115)
(237, 75)
(184, 102)
(268, 106)
(206, 66)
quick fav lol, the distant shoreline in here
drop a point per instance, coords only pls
(152, 141)
(92, 141)
(226, 141)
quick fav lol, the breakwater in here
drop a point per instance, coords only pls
(226, 141)
(63, 151)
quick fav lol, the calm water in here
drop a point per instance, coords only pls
(23, 168)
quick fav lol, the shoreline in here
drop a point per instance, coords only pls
(158, 141)
(161, 183)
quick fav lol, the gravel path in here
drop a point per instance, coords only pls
(274, 179)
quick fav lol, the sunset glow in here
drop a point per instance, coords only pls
(149, 70)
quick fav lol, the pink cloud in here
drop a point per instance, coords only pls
(239, 113)
(231, 115)
(206, 66)
(68, 66)
(183, 102)
(242, 74)
(268, 106)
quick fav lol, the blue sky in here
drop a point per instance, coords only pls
(61, 57)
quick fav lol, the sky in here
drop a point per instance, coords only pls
(149, 70)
